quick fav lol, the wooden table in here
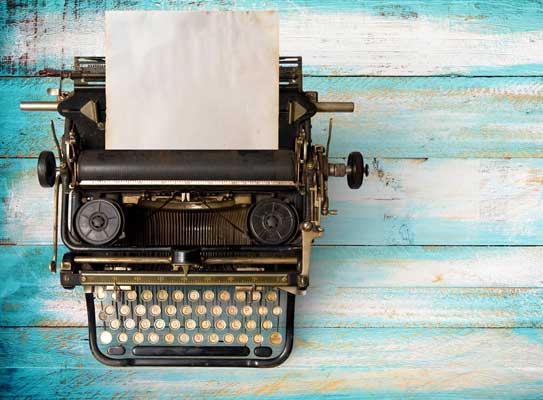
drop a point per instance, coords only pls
(429, 281)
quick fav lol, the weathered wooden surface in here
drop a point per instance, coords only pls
(335, 37)
(394, 117)
(404, 202)
(428, 284)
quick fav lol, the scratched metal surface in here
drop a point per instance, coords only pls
(428, 284)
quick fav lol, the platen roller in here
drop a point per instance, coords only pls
(272, 165)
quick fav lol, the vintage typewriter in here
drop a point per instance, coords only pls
(188, 258)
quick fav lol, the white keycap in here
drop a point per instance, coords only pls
(224, 295)
(240, 295)
(160, 324)
(213, 338)
(201, 309)
(232, 310)
(187, 310)
(145, 324)
(171, 310)
(263, 310)
(190, 324)
(155, 310)
(267, 324)
(140, 310)
(153, 338)
(129, 323)
(271, 296)
(256, 296)
(177, 295)
(243, 338)
(175, 324)
(110, 310)
(250, 325)
(146, 295)
(235, 324)
(131, 295)
(205, 324)
(194, 295)
(138, 338)
(100, 293)
(183, 338)
(198, 338)
(105, 337)
(209, 295)
(258, 338)
(162, 295)
(169, 338)
(275, 338)
(228, 338)
(247, 310)
(220, 324)
(115, 324)
(123, 337)
(124, 310)
(216, 311)
(277, 311)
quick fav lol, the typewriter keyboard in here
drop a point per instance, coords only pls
(209, 322)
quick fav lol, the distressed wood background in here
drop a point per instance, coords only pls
(427, 284)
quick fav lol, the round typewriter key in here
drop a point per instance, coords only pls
(216, 311)
(187, 310)
(183, 338)
(240, 296)
(145, 324)
(235, 324)
(177, 295)
(115, 324)
(155, 310)
(275, 338)
(105, 337)
(129, 323)
(263, 310)
(160, 324)
(138, 338)
(110, 310)
(232, 310)
(228, 338)
(243, 338)
(224, 295)
(124, 310)
(247, 310)
(171, 310)
(147, 295)
(131, 295)
(175, 324)
(205, 324)
(194, 295)
(169, 338)
(140, 310)
(258, 338)
(201, 309)
(162, 295)
(209, 295)
(251, 324)
(277, 311)
(153, 338)
(267, 324)
(256, 296)
(102, 315)
(123, 337)
(271, 296)
(100, 293)
(220, 324)
(213, 338)
(190, 324)
(114, 295)
(198, 338)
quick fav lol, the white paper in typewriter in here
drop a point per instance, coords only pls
(192, 80)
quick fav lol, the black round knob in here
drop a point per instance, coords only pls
(47, 169)
(358, 170)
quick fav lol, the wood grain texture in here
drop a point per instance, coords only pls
(365, 363)
(34, 297)
(394, 117)
(334, 37)
(404, 202)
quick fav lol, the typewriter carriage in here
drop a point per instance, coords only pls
(188, 218)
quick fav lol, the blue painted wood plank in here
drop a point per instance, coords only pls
(384, 38)
(403, 202)
(394, 117)
(353, 363)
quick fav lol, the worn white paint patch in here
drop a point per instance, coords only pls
(333, 43)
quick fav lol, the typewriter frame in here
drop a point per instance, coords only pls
(312, 169)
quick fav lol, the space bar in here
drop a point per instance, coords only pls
(191, 351)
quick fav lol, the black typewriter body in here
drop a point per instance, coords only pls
(188, 257)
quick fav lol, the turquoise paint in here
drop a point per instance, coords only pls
(487, 17)
(394, 117)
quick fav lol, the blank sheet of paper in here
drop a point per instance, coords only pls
(192, 80)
